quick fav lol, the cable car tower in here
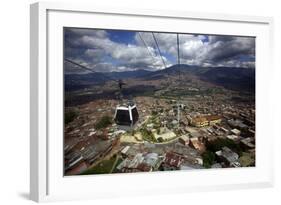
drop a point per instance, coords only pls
(165, 68)
(178, 103)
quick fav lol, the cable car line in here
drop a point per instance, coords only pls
(159, 50)
(153, 56)
(91, 70)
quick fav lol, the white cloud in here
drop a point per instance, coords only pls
(96, 48)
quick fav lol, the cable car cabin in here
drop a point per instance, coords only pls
(126, 115)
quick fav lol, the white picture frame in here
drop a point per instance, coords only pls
(47, 182)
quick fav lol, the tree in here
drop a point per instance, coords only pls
(158, 130)
(103, 122)
(154, 112)
(219, 143)
(70, 115)
(147, 135)
(160, 139)
(208, 159)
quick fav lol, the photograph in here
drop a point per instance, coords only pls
(152, 101)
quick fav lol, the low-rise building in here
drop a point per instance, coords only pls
(227, 156)
(153, 160)
(237, 124)
(199, 122)
(233, 137)
(236, 131)
(172, 161)
(197, 144)
(216, 165)
(125, 150)
(130, 163)
(195, 135)
(248, 143)
(191, 166)
(143, 167)
(224, 130)
(78, 169)
(213, 119)
(184, 139)
(165, 134)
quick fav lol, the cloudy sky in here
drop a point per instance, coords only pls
(115, 50)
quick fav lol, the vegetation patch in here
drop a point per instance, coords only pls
(103, 122)
(70, 115)
(219, 143)
(147, 135)
(208, 159)
(246, 160)
(103, 167)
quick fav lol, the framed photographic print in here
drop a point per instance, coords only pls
(127, 102)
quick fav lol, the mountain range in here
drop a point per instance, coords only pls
(239, 79)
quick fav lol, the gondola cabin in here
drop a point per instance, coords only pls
(126, 115)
